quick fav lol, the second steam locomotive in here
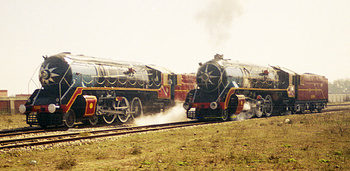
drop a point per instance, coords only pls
(233, 90)
(81, 88)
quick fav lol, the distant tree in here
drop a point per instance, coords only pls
(341, 86)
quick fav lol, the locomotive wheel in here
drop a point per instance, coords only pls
(259, 108)
(109, 117)
(312, 107)
(297, 109)
(136, 108)
(268, 105)
(124, 117)
(124, 104)
(225, 115)
(93, 120)
(69, 118)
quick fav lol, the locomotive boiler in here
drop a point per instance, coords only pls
(231, 90)
(88, 89)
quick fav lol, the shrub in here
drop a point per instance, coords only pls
(135, 150)
(67, 163)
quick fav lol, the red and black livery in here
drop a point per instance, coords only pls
(233, 90)
(88, 89)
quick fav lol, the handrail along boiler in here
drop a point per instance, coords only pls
(233, 90)
(82, 88)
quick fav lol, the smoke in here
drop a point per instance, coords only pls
(177, 114)
(218, 19)
(247, 112)
(174, 114)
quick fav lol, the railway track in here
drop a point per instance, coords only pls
(339, 104)
(32, 137)
(7, 144)
(31, 130)
(337, 107)
(15, 132)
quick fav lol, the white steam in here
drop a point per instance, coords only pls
(247, 112)
(218, 19)
(174, 114)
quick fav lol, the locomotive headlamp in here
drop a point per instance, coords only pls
(186, 106)
(213, 105)
(52, 108)
(22, 108)
(45, 74)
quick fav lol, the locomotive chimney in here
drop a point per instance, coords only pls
(218, 56)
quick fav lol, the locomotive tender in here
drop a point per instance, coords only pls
(232, 90)
(88, 89)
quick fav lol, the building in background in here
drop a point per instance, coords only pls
(11, 104)
(3, 93)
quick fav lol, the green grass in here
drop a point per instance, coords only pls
(310, 142)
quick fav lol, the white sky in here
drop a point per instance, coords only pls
(302, 35)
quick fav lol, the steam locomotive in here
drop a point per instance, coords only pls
(88, 89)
(233, 90)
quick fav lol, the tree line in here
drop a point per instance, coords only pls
(341, 86)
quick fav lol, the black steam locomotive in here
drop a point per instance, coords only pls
(232, 90)
(81, 88)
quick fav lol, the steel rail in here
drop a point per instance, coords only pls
(68, 137)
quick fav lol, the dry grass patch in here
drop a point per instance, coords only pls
(309, 142)
(8, 121)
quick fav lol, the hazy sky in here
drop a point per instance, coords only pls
(302, 35)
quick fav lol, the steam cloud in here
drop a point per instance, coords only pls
(218, 19)
(247, 112)
(175, 114)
